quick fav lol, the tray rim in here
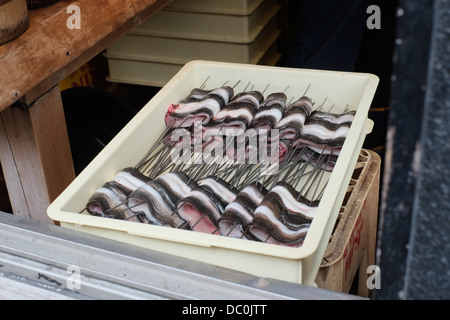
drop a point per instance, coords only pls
(167, 234)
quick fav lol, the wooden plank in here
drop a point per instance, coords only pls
(11, 174)
(48, 51)
(39, 156)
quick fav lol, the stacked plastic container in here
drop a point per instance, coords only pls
(238, 31)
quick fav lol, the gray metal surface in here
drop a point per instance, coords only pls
(14, 287)
(44, 255)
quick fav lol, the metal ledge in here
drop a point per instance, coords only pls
(40, 254)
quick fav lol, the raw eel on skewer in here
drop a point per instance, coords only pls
(333, 118)
(270, 112)
(108, 201)
(322, 136)
(225, 92)
(254, 97)
(283, 216)
(204, 205)
(232, 119)
(157, 199)
(197, 107)
(236, 116)
(294, 118)
(239, 213)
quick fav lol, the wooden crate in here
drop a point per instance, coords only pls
(352, 245)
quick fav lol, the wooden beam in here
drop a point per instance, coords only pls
(35, 155)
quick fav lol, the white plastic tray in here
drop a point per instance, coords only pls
(154, 61)
(180, 51)
(157, 74)
(210, 27)
(236, 7)
(298, 265)
(146, 73)
(271, 57)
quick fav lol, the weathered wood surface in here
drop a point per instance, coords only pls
(48, 51)
(37, 147)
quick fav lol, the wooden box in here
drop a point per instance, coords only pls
(351, 249)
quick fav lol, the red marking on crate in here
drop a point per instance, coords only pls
(353, 243)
